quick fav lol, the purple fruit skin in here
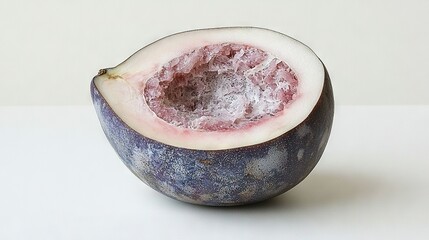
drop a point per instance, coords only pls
(222, 177)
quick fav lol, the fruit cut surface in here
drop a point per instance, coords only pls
(205, 89)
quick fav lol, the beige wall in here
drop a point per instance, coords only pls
(376, 51)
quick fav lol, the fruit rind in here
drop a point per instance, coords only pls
(224, 177)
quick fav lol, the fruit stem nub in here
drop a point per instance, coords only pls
(101, 72)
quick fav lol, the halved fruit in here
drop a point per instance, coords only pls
(223, 116)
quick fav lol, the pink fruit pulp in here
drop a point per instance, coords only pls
(221, 87)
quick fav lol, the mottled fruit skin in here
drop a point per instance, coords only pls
(222, 177)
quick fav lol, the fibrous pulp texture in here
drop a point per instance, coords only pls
(221, 87)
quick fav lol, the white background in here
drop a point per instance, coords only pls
(377, 52)
(60, 178)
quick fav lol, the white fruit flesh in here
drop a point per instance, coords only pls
(158, 107)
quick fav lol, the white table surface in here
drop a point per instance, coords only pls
(60, 179)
